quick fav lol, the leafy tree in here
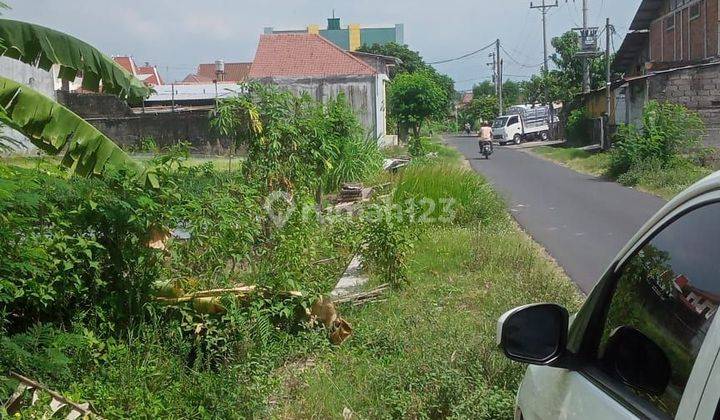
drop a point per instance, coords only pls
(481, 108)
(486, 88)
(416, 98)
(512, 92)
(412, 62)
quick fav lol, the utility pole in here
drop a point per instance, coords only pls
(586, 61)
(501, 105)
(543, 9)
(494, 69)
(606, 134)
(499, 82)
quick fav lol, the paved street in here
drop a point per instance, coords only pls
(583, 221)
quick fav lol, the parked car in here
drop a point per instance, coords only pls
(522, 123)
(646, 343)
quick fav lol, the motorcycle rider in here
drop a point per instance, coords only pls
(485, 134)
(467, 128)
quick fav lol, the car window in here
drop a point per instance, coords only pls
(513, 120)
(670, 292)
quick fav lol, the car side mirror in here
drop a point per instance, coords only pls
(637, 361)
(534, 334)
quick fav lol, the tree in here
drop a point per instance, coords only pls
(481, 108)
(50, 126)
(412, 62)
(416, 98)
(486, 88)
(512, 93)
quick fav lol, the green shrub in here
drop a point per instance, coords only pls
(669, 132)
(386, 241)
(579, 127)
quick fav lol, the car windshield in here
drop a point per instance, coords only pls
(500, 122)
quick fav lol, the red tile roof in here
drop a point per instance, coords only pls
(127, 63)
(304, 55)
(195, 79)
(153, 78)
(234, 72)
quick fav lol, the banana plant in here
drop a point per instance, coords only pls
(43, 47)
(49, 125)
(54, 129)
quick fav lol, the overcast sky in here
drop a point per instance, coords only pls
(176, 35)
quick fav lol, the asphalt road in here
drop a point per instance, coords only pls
(582, 221)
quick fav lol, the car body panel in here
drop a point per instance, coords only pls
(549, 393)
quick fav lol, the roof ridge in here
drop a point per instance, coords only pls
(347, 53)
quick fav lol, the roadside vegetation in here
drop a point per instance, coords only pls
(663, 158)
(429, 350)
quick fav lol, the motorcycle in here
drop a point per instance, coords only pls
(486, 149)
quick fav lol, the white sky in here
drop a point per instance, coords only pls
(176, 35)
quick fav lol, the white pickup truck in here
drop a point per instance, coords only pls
(521, 123)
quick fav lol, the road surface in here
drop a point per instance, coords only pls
(582, 221)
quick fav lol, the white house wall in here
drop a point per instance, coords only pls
(360, 92)
(40, 80)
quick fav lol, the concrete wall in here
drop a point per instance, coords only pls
(696, 88)
(38, 79)
(128, 126)
(166, 128)
(365, 94)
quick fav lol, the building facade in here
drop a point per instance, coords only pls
(353, 36)
(309, 63)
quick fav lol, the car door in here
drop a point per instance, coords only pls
(668, 288)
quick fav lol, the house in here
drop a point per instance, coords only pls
(353, 36)
(309, 63)
(146, 73)
(221, 71)
(671, 53)
(668, 34)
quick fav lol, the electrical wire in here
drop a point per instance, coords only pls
(517, 62)
(464, 55)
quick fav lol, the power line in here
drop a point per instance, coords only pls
(492, 44)
(517, 62)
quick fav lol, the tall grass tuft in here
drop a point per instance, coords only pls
(447, 193)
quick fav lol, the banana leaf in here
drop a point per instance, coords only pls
(42, 47)
(53, 128)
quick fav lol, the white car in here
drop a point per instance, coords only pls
(646, 343)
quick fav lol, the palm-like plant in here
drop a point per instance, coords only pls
(50, 126)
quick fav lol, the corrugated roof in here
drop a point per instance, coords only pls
(648, 11)
(304, 55)
(632, 47)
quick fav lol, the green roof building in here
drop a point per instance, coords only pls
(353, 36)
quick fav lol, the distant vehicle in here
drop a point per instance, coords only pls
(646, 343)
(521, 123)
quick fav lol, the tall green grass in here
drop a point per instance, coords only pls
(441, 189)
(429, 351)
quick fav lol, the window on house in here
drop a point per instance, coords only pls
(670, 23)
(695, 11)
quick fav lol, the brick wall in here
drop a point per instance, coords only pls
(679, 36)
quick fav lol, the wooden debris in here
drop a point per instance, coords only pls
(338, 329)
(208, 301)
(364, 297)
(15, 403)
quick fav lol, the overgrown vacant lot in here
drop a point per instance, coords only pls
(426, 349)
(429, 350)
